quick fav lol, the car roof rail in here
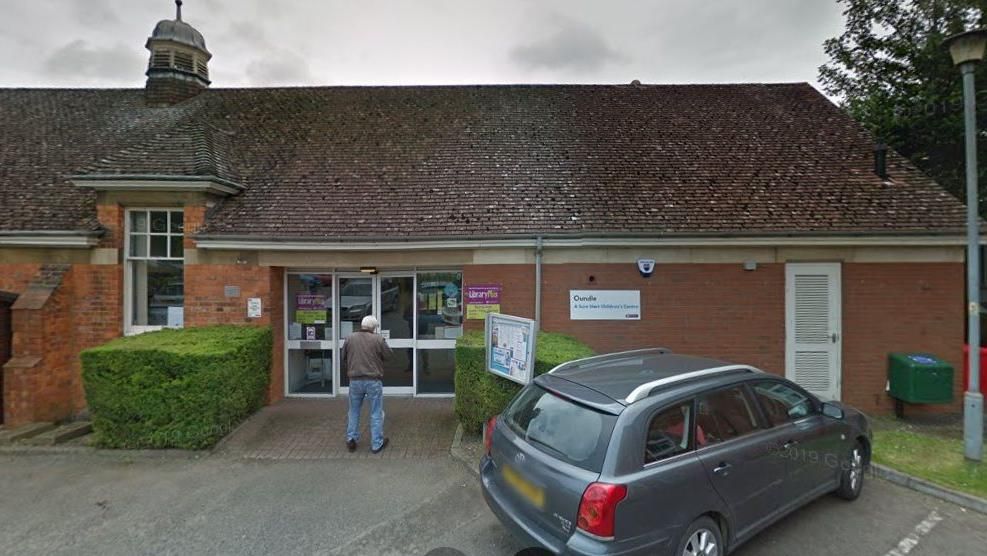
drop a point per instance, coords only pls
(644, 390)
(610, 356)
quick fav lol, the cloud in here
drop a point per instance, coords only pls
(279, 67)
(93, 12)
(572, 46)
(78, 59)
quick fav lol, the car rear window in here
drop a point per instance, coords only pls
(561, 428)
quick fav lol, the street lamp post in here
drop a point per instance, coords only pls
(967, 50)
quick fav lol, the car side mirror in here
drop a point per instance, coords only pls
(830, 410)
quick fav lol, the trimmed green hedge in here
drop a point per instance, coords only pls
(480, 394)
(176, 388)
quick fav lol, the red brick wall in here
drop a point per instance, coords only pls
(14, 277)
(518, 293)
(715, 310)
(899, 307)
(722, 311)
(206, 303)
(111, 217)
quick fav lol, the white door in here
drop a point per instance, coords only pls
(813, 327)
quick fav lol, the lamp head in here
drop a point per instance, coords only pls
(967, 47)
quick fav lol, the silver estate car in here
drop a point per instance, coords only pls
(648, 452)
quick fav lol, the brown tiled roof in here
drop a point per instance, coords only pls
(193, 148)
(361, 162)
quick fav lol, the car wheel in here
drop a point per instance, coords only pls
(852, 477)
(702, 538)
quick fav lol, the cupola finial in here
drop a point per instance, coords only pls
(178, 10)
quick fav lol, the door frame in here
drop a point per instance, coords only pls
(835, 271)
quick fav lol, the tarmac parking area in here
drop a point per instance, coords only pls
(88, 504)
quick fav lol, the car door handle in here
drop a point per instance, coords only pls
(722, 469)
(790, 444)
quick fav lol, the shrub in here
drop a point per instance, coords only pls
(176, 388)
(480, 394)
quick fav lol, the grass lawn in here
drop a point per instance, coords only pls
(934, 458)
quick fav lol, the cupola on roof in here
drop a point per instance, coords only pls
(178, 31)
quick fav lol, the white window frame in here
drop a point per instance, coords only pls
(130, 329)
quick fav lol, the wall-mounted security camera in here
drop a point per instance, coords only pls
(646, 267)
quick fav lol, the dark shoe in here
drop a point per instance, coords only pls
(382, 446)
(351, 445)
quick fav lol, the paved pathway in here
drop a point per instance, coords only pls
(309, 429)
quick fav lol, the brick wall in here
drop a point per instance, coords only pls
(517, 295)
(14, 277)
(206, 304)
(722, 311)
(899, 307)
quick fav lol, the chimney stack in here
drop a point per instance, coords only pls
(881, 160)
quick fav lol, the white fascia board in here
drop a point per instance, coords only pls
(48, 240)
(421, 245)
(208, 186)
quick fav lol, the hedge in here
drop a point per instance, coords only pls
(480, 394)
(182, 388)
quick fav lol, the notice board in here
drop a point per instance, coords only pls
(510, 344)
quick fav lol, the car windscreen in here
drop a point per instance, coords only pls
(561, 428)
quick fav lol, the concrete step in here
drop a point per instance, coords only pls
(24, 431)
(61, 434)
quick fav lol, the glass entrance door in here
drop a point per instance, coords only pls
(391, 298)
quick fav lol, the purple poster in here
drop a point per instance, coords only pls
(309, 301)
(488, 294)
(481, 300)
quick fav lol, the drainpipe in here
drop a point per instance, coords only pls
(538, 252)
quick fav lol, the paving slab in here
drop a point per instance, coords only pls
(307, 429)
(61, 434)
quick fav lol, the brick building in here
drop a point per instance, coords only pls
(777, 239)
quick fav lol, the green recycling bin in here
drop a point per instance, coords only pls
(919, 378)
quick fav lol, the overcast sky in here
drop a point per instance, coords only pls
(100, 43)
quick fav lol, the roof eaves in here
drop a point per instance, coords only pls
(157, 182)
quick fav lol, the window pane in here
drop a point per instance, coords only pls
(159, 222)
(436, 371)
(724, 415)
(440, 305)
(781, 402)
(310, 307)
(159, 246)
(138, 221)
(356, 301)
(565, 430)
(177, 222)
(310, 371)
(157, 293)
(177, 248)
(138, 245)
(668, 434)
(397, 301)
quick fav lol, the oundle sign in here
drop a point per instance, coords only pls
(604, 305)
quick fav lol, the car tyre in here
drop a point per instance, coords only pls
(852, 476)
(702, 538)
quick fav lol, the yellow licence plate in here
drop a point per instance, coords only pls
(528, 491)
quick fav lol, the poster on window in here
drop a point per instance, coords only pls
(482, 300)
(510, 347)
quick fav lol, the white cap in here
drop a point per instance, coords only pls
(369, 323)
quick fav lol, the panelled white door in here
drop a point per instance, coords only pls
(813, 326)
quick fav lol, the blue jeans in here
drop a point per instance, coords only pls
(373, 391)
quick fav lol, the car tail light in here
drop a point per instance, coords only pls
(598, 508)
(488, 434)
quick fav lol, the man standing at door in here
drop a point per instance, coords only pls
(363, 359)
